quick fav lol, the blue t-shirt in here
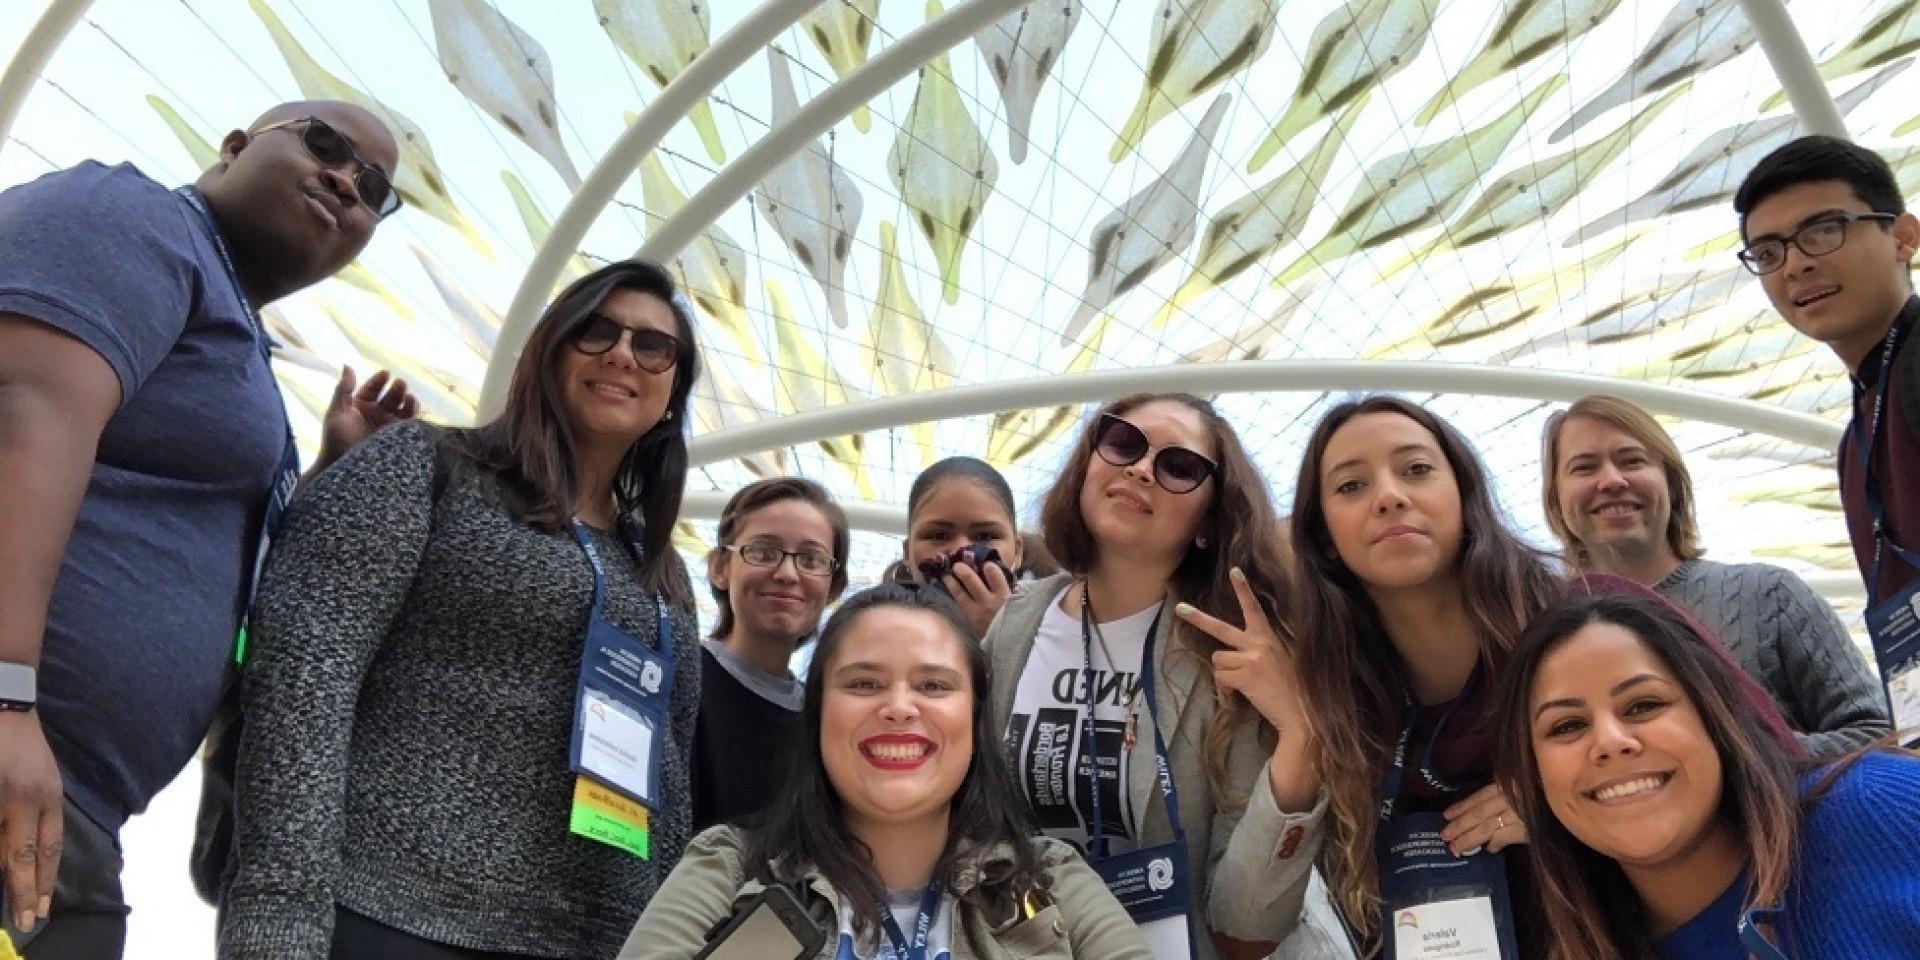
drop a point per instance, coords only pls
(1710, 935)
(141, 623)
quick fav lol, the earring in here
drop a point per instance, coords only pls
(1200, 542)
(668, 415)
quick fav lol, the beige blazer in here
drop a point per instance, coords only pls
(1251, 864)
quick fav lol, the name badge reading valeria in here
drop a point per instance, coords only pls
(1440, 906)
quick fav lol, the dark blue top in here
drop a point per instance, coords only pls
(141, 623)
(1855, 893)
(1710, 934)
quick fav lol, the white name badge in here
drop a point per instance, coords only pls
(1460, 929)
(1167, 938)
(616, 745)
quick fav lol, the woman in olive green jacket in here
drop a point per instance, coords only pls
(902, 829)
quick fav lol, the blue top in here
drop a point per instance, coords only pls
(1856, 889)
(141, 623)
(1710, 934)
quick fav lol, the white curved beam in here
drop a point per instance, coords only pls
(1793, 66)
(1257, 376)
(818, 115)
(1836, 585)
(861, 514)
(736, 47)
(53, 26)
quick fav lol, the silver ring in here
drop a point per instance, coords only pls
(1500, 822)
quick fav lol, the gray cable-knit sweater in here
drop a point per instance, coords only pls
(1787, 637)
(408, 713)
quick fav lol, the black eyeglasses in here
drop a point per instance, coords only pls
(1816, 239)
(332, 148)
(654, 351)
(1176, 469)
(813, 563)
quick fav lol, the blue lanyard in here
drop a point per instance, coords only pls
(199, 205)
(286, 475)
(597, 612)
(1881, 539)
(1751, 938)
(916, 949)
(1397, 771)
(1096, 836)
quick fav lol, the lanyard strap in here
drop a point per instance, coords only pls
(1397, 770)
(915, 949)
(199, 205)
(1875, 506)
(585, 540)
(286, 474)
(1751, 938)
(1096, 835)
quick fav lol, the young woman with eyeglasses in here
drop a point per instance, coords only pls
(781, 560)
(1134, 736)
(959, 509)
(474, 673)
(1411, 591)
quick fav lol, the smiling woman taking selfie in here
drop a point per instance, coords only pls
(472, 693)
(1668, 811)
(901, 837)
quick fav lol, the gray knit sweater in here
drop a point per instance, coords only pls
(1788, 638)
(409, 707)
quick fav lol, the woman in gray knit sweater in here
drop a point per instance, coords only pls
(439, 702)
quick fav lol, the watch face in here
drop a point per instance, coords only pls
(17, 687)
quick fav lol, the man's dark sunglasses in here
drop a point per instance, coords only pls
(1176, 469)
(332, 148)
(654, 351)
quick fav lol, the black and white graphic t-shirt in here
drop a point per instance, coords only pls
(1046, 729)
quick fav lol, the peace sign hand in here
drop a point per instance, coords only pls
(1256, 664)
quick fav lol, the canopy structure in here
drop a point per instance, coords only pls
(911, 231)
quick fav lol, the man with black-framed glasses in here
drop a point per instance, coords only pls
(145, 453)
(1828, 233)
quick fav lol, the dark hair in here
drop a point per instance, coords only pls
(531, 444)
(969, 468)
(808, 828)
(1816, 158)
(1591, 910)
(755, 496)
(1683, 531)
(1236, 526)
(1351, 675)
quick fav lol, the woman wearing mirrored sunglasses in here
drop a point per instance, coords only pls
(1411, 591)
(1092, 671)
(474, 665)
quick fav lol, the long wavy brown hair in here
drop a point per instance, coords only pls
(1591, 909)
(530, 445)
(1351, 677)
(1237, 527)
